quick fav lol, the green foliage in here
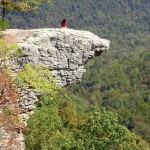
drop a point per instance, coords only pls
(118, 80)
(9, 49)
(126, 23)
(37, 77)
(102, 131)
(4, 24)
(23, 5)
(49, 126)
(98, 129)
(121, 86)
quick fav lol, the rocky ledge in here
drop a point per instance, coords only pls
(64, 51)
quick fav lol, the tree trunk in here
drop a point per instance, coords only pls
(3, 11)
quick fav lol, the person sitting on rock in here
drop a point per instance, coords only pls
(63, 23)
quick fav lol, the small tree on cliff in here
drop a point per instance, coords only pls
(8, 50)
(20, 5)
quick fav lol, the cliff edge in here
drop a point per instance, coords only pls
(64, 51)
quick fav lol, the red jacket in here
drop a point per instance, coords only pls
(63, 24)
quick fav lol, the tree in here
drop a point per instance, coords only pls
(22, 5)
(102, 131)
(51, 124)
(56, 125)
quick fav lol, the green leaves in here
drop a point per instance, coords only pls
(119, 82)
(37, 77)
(97, 129)
(4, 24)
(23, 5)
(7, 51)
(46, 125)
(102, 131)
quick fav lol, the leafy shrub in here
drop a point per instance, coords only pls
(37, 77)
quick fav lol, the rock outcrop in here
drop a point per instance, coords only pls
(63, 51)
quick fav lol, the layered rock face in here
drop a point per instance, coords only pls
(64, 51)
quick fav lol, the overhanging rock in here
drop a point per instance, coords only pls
(64, 51)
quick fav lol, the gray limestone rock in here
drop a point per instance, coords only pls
(63, 51)
(60, 50)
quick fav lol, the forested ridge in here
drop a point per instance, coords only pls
(118, 81)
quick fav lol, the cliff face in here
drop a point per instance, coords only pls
(64, 51)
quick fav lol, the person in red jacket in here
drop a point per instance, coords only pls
(63, 23)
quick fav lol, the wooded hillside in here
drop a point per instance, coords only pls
(118, 80)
